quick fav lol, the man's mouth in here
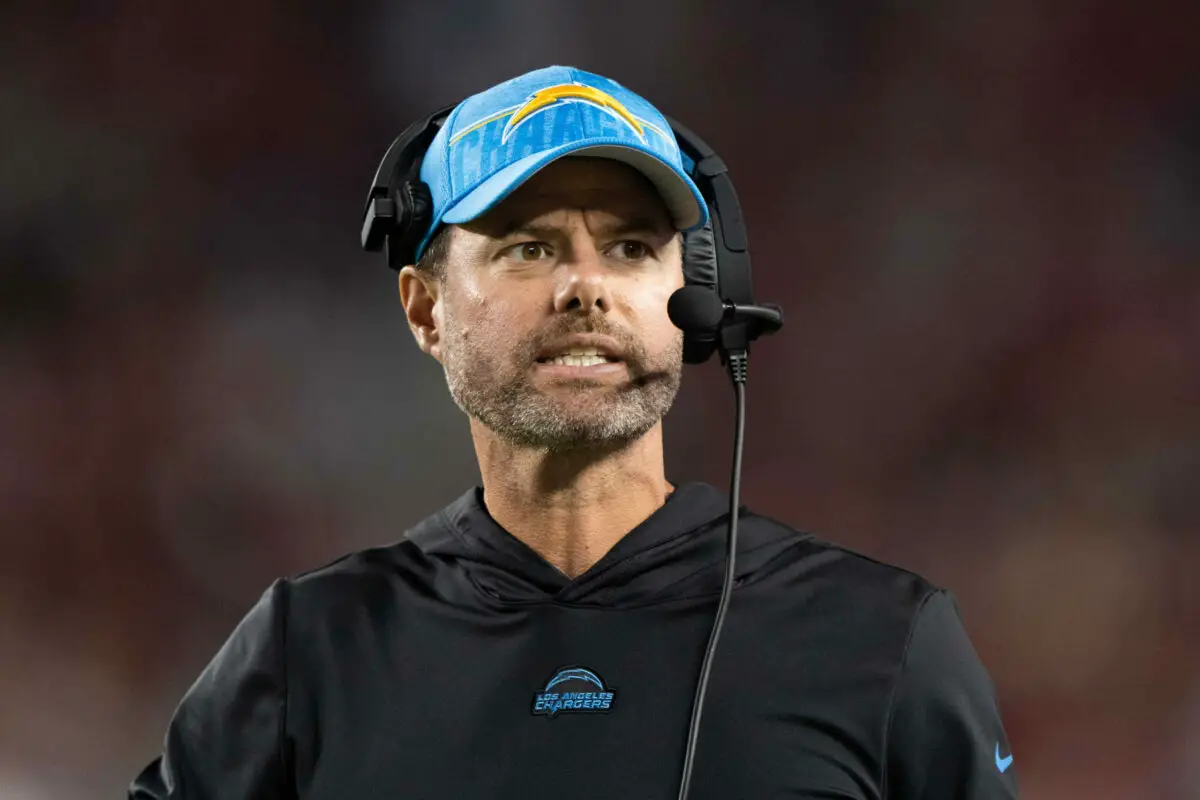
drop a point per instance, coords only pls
(580, 357)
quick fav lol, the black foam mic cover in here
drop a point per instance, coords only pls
(695, 309)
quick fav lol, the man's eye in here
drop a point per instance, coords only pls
(632, 250)
(528, 251)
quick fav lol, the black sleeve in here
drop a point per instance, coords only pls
(945, 738)
(224, 740)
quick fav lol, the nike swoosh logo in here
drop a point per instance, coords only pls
(1002, 763)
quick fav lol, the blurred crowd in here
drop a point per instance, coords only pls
(982, 219)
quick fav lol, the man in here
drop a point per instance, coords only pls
(541, 636)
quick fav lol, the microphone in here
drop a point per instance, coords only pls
(697, 310)
(709, 323)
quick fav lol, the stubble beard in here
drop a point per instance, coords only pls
(494, 386)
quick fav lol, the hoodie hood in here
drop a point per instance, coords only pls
(676, 552)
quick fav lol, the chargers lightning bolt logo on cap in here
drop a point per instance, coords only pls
(571, 92)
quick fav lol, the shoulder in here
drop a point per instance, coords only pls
(825, 565)
(847, 588)
(356, 581)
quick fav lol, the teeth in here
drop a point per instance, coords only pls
(573, 360)
(579, 357)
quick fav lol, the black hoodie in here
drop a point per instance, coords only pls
(458, 663)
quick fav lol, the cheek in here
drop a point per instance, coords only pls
(650, 309)
(490, 326)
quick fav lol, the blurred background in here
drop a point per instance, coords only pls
(982, 218)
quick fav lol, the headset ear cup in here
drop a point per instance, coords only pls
(700, 258)
(420, 203)
(698, 349)
(414, 208)
(699, 269)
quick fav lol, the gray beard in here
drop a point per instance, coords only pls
(496, 390)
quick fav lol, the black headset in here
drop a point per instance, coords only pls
(399, 209)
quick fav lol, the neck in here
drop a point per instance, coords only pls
(571, 508)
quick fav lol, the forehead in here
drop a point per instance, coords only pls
(601, 185)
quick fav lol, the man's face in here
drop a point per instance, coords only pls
(581, 258)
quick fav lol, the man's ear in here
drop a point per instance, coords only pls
(420, 294)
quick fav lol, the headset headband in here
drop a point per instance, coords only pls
(388, 221)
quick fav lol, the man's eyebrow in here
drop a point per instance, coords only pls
(621, 228)
(515, 227)
(638, 225)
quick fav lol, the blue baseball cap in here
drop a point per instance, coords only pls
(493, 141)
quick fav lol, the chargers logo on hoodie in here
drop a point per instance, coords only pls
(574, 690)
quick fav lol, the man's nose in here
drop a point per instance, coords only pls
(584, 282)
